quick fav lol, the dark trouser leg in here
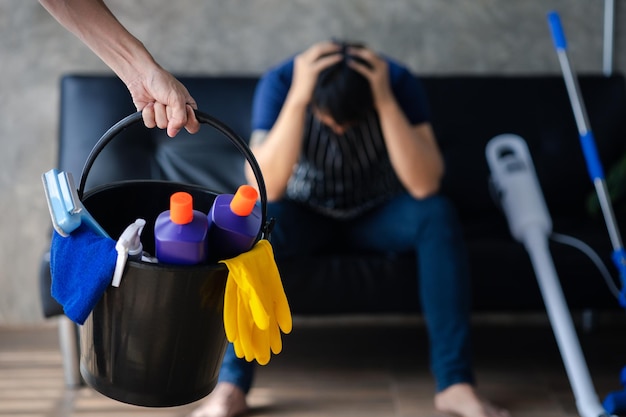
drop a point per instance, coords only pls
(431, 228)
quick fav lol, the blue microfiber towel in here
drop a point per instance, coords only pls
(82, 267)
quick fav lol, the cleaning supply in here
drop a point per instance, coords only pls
(66, 210)
(516, 184)
(255, 305)
(234, 223)
(180, 233)
(128, 246)
(590, 151)
(81, 266)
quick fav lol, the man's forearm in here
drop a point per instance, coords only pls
(94, 24)
(413, 151)
(280, 148)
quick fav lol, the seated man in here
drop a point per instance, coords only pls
(347, 152)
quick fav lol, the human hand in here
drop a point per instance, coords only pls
(164, 102)
(307, 67)
(377, 73)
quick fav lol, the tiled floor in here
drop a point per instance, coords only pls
(353, 368)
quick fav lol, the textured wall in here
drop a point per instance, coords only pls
(245, 37)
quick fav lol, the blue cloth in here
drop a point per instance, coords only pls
(81, 267)
(273, 86)
(428, 227)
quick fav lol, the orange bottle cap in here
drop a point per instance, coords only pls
(181, 208)
(244, 200)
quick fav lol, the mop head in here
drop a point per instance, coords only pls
(81, 267)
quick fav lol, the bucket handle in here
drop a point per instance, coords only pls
(205, 118)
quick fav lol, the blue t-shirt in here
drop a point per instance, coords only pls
(347, 174)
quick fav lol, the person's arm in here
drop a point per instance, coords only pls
(412, 149)
(278, 149)
(163, 100)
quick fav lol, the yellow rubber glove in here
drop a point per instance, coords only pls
(255, 304)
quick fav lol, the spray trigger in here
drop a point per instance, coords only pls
(128, 245)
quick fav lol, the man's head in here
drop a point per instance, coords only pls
(342, 96)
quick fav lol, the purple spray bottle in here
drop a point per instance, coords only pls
(234, 223)
(180, 233)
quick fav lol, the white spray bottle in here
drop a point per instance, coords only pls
(128, 246)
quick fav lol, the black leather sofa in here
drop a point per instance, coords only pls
(467, 112)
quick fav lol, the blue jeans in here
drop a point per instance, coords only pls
(429, 227)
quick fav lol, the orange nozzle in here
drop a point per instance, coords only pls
(181, 208)
(244, 200)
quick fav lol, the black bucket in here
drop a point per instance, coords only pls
(158, 339)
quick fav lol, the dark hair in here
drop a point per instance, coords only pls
(342, 92)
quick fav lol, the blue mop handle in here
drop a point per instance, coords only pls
(589, 149)
(587, 139)
(558, 36)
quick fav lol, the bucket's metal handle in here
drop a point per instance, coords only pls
(236, 140)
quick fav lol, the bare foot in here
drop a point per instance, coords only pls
(462, 400)
(226, 400)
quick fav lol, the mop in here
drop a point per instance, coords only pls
(513, 176)
(587, 142)
(616, 401)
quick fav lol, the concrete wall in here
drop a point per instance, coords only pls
(245, 37)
